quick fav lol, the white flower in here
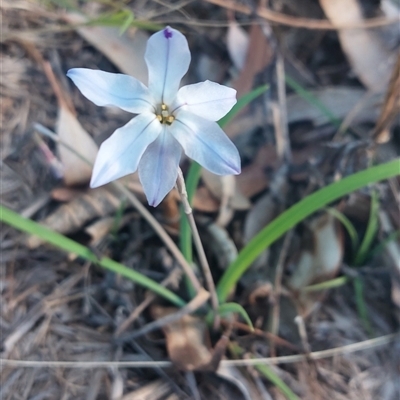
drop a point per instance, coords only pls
(170, 119)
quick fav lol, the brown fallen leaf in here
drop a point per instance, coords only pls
(72, 216)
(204, 201)
(319, 260)
(254, 178)
(367, 53)
(221, 245)
(225, 190)
(321, 253)
(237, 41)
(99, 229)
(73, 138)
(187, 341)
(390, 108)
(263, 212)
(71, 133)
(156, 389)
(65, 194)
(259, 55)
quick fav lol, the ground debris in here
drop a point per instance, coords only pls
(55, 309)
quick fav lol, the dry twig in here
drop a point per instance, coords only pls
(296, 22)
(317, 355)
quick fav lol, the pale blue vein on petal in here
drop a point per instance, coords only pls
(158, 168)
(121, 153)
(167, 60)
(205, 142)
(108, 89)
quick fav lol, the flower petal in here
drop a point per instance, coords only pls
(120, 154)
(107, 89)
(158, 168)
(205, 142)
(168, 58)
(207, 99)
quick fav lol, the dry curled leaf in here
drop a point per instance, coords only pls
(225, 190)
(237, 41)
(71, 133)
(390, 108)
(367, 53)
(204, 201)
(259, 55)
(156, 389)
(254, 177)
(73, 139)
(185, 340)
(236, 378)
(222, 245)
(319, 260)
(126, 52)
(72, 216)
(321, 253)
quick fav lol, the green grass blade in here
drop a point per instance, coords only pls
(309, 97)
(269, 374)
(68, 5)
(348, 225)
(266, 371)
(242, 103)
(123, 19)
(370, 233)
(379, 248)
(332, 283)
(234, 308)
(129, 20)
(118, 218)
(361, 307)
(62, 242)
(297, 213)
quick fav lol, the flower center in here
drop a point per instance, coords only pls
(164, 116)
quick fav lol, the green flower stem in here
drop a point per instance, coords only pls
(181, 187)
(193, 178)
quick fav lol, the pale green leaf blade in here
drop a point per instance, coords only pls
(297, 213)
(64, 243)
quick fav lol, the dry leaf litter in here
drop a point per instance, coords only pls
(55, 307)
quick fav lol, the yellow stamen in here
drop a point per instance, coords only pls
(164, 117)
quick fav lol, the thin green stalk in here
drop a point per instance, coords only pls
(332, 283)
(370, 233)
(381, 246)
(308, 96)
(348, 225)
(62, 242)
(360, 304)
(193, 178)
(267, 372)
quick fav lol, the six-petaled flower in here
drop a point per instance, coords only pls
(169, 119)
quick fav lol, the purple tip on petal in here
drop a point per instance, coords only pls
(167, 33)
